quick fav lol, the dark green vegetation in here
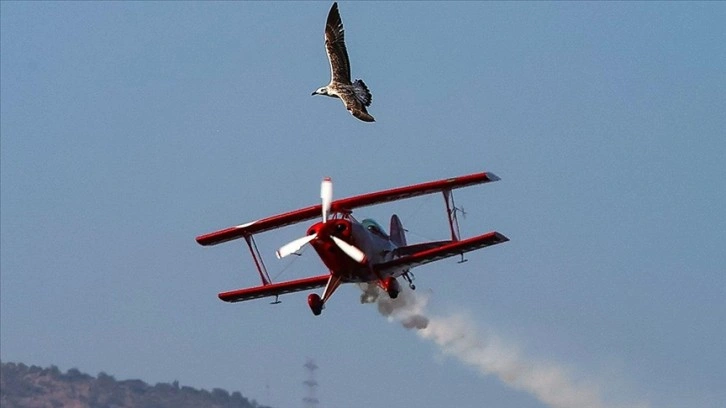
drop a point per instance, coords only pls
(36, 387)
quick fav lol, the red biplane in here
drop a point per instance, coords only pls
(355, 252)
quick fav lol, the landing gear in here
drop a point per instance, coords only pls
(315, 303)
(392, 287)
(409, 278)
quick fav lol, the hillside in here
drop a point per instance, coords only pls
(36, 387)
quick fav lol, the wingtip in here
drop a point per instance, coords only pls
(492, 176)
(501, 237)
(333, 10)
(363, 116)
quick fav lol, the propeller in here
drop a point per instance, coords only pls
(326, 196)
(294, 246)
(353, 252)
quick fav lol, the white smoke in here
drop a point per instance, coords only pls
(458, 336)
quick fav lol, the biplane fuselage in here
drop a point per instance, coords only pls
(376, 246)
(353, 251)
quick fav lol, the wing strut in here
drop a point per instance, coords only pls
(451, 211)
(264, 276)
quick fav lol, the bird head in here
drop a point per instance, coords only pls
(321, 91)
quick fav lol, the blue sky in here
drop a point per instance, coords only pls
(127, 129)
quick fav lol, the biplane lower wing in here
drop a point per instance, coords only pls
(446, 250)
(274, 289)
(343, 205)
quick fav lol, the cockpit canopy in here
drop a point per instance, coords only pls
(372, 226)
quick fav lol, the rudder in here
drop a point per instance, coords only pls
(397, 233)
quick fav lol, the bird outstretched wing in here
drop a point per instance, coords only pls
(335, 47)
(355, 105)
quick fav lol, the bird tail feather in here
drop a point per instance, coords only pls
(362, 92)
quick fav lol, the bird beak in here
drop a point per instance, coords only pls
(314, 93)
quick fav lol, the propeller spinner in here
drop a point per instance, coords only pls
(326, 196)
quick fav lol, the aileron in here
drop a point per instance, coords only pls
(274, 289)
(342, 205)
(444, 251)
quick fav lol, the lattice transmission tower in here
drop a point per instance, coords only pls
(311, 399)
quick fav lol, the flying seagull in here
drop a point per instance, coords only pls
(355, 96)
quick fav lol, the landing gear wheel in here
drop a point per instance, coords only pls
(392, 287)
(315, 303)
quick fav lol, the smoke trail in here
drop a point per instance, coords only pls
(458, 336)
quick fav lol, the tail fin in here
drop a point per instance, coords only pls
(362, 92)
(398, 234)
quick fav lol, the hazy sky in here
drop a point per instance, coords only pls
(129, 128)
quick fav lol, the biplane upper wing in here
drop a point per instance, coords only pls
(274, 289)
(344, 204)
(446, 250)
(255, 227)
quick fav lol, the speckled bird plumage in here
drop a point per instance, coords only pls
(354, 95)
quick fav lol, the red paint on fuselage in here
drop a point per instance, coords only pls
(333, 257)
(376, 248)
